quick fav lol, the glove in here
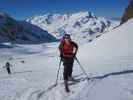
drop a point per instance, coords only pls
(61, 56)
(74, 55)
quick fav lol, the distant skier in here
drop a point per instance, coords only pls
(68, 50)
(8, 66)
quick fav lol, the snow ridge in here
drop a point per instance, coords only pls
(83, 26)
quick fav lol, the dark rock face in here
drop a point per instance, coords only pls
(21, 32)
(128, 14)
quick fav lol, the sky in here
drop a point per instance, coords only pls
(22, 9)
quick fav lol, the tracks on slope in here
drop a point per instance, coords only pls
(36, 94)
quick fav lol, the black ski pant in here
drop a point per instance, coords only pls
(8, 70)
(68, 67)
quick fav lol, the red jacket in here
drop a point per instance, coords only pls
(67, 50)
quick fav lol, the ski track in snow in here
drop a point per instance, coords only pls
(58, 92)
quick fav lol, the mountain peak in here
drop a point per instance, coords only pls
(83, 24)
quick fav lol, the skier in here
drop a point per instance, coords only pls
(68, 50)
(7, 66)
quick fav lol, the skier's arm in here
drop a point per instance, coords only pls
(60, 49)
(75, 48)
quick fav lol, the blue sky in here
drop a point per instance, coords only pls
(21, 9)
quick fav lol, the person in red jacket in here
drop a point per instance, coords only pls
(68, 50)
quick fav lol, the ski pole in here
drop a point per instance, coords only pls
(82, 69)
(58, 72)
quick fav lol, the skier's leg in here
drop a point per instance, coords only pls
(66, 69)
(65, 74)
(8, 70)
(70, 67)
(66, 86)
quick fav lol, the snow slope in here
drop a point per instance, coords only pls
(111, 51)
(109, 58)
(83, 26)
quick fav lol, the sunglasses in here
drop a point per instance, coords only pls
(67, 38)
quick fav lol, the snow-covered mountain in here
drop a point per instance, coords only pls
(83, 26)
(21, 31)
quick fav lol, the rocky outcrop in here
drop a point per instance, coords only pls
(22, 32)
(128, 14)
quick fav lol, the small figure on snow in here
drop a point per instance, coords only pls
(8, 67)
(68, 50)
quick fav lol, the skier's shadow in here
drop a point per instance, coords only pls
(100, 77)
(113, 74)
